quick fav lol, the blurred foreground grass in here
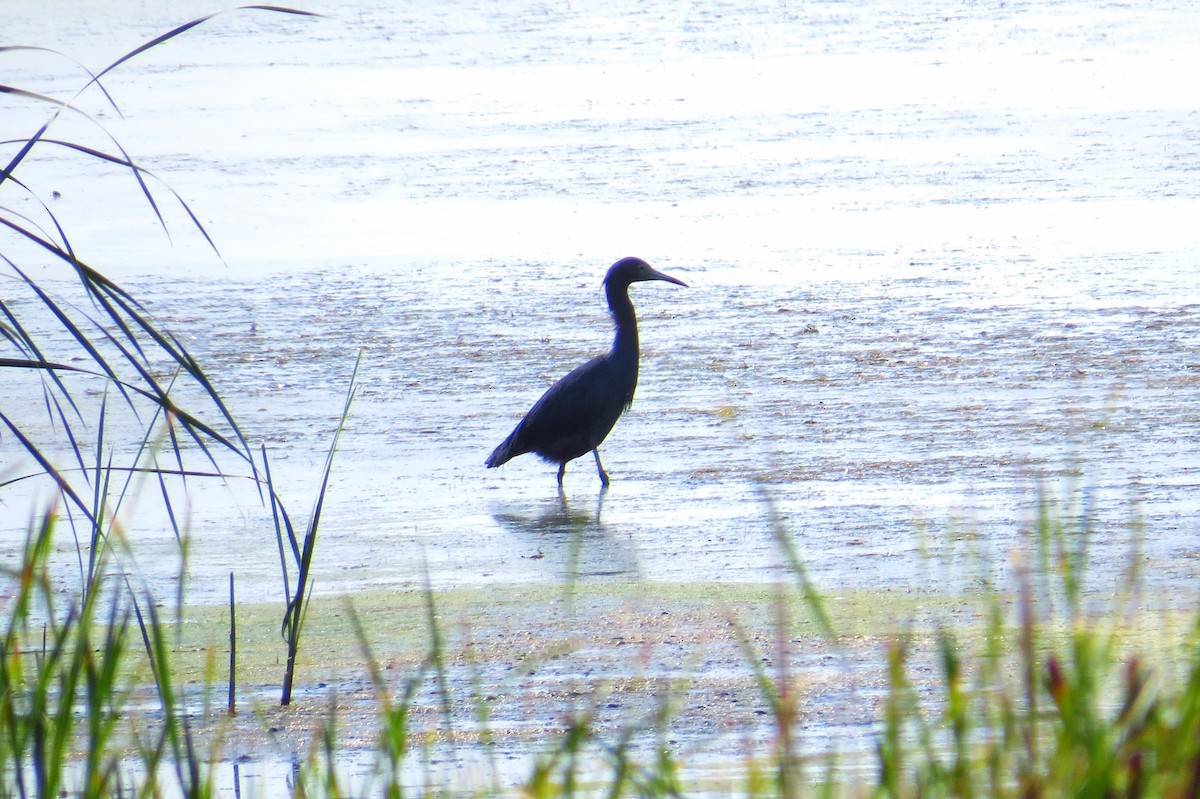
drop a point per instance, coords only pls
(624, 688)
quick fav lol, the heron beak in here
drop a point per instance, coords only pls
(657, 275)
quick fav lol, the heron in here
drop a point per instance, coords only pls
(577, 413)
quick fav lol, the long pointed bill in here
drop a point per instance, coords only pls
(657, 275)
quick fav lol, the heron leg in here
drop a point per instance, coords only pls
(562, 468)
(600, 468)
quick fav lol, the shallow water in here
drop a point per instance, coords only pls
(938, 255)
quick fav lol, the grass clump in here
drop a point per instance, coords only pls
(76, 335)
(1064, 693)
(69, 684)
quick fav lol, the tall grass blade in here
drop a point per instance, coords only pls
(808, 591)
(94, 79)
(293, 617)
(176, 31)
(48, 467)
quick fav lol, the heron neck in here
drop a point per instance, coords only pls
(625, 343)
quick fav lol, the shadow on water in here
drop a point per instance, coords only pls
(571, 539)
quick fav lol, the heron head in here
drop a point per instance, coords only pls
(633, 270)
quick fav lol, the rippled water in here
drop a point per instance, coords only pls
(938, 254)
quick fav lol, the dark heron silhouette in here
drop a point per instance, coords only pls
(577, 413)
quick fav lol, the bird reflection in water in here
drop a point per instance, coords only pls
(577, 413)
(569, 541)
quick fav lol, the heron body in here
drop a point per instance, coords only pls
(576, 414)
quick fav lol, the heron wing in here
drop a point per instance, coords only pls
(572, 417)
